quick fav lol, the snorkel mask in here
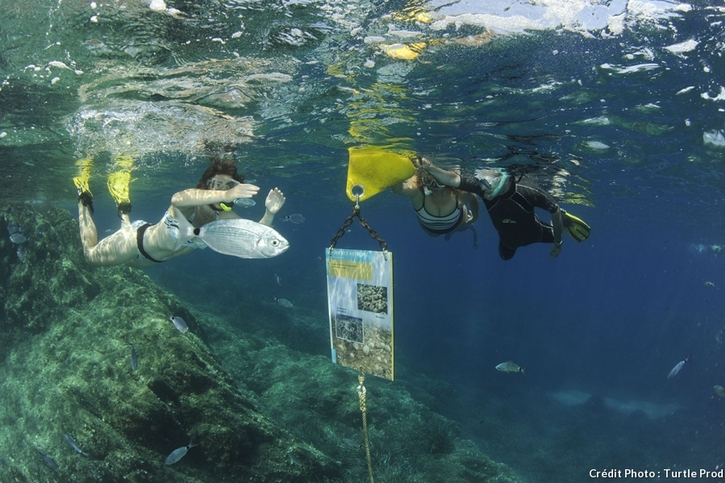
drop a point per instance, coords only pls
(222, 185)
(431, 184)
(493, 179)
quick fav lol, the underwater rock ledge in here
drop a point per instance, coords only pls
(249, 400)
(66, 331)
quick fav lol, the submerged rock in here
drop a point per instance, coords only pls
(64, 340)
(259, 403)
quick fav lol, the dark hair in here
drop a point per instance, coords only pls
(219, 166)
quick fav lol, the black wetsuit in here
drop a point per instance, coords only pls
(513, 216)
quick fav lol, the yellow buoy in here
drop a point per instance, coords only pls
(376, 169)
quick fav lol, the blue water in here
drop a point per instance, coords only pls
(632, 131)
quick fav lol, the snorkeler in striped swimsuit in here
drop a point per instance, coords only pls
(441, 210)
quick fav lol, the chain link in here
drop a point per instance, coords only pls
(364, 223)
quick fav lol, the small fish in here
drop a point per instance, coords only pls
(179, 323)
(678, 367)
(295, 218)
(18, 238)
(73, 445)
(49, 462)
(245, 202)
(708, 284)
(510, 366)
(719, 390)
(178, 453)
(284, 303)
(293, 459)
(351, 442)
(279, 280)
(134, 356)
(12, 227)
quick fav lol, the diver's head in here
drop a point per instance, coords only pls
(495, 180)
(221, 174)
(427, 182)
(219, 167)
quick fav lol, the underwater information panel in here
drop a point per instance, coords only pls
(360, 301)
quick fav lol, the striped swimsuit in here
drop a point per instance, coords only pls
(439, 224)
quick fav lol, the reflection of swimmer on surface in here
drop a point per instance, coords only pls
(140, 244)
(511, 204)
(441, 209)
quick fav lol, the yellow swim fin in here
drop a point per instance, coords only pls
(575, 227)
(81, 181)
(376, 169)
(119, 183)
(118, 186)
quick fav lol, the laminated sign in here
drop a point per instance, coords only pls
(360, 300)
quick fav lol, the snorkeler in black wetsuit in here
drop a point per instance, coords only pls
(511, 208)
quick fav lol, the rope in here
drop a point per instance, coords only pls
(361, 391)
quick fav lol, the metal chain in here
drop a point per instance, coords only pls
(364, 223)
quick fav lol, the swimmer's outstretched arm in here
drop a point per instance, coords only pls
(448, 178)
(197, 197)
(275, 200)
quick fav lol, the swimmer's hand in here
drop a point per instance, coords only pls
(555, 250)
(241, 191)
(275, 201)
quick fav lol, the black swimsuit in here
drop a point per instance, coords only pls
(139, 243)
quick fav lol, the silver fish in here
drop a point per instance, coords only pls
(18, 238)
(295, 218)
(49, 462)
(179, 323)
(242, 238)
(351, 443)
(293, 459)
(285, 303)
(178, 453)
(678, 367)
(73, 445)
(510, 366)
(134, 357)
(245, 202)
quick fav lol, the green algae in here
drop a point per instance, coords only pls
(67, 371)
(247, 395)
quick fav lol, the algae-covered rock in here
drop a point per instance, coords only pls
(318, 401)
(67, 332)
(245, 390)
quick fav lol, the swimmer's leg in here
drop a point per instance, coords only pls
(506, 253)
(89, 235)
